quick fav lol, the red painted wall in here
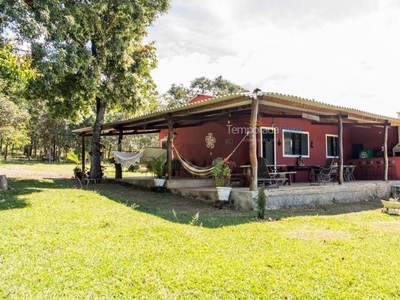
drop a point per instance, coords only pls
(191, 141)
(372, 138)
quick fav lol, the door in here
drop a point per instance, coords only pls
(356, 149)
(268, 144)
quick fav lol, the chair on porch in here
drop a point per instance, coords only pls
(324, 174)
(265, 175)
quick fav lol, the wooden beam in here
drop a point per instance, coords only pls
(340, 138)
(310, 117)
(385, 153)
(278, 116)
(169, 146)
(348, 124)
(334, 117)
(253, 145)
(83, 153)
(118, 167)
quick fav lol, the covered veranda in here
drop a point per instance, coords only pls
(250, 106)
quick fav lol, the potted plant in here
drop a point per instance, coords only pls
(78, 172)
(157, 167)
(222, 176)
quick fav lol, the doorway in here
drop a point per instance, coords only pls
(268, 144)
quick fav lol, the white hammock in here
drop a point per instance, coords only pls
(127, 159)
(195, 170)
(202, 171)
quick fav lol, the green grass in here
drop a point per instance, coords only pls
(59, 241)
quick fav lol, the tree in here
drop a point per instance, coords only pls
(15, 70)
(13, 121)
(179, 94)
(217, 86)
(90, 54)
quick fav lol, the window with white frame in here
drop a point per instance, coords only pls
(332, 145)
(295, 143)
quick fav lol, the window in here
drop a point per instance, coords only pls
(164, 143)
(295, 143)
(332, 145)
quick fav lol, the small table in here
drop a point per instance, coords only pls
(298, 168)
(247, 173)
(287, 174)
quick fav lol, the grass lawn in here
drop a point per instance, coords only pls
(109, 241)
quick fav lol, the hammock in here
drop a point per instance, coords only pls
(127, 159)
(202, 171)
(195, 170)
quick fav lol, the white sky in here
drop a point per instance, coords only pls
(341, 52)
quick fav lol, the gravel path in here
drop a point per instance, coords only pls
(24, 173)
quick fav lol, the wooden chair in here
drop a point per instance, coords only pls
(265, 177)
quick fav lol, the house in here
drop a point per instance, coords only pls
(282, 129)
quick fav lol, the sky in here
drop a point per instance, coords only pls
(340, 52)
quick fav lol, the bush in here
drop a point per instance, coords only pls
(261, 202)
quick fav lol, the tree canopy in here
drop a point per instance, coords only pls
(90, 55)
(15, 71)
(179, 94)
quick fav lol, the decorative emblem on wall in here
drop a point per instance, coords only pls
(210, 140)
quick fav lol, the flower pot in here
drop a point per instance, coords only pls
(223, 192)
(159, 181)
(79, 174)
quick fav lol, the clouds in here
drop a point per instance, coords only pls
(340, 52)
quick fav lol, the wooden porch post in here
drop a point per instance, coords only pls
(83, 153)
(385, 154)
(253, 144)
(118, 167)
(340, 138)
(169, 147)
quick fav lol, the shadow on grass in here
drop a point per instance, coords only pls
(184, 210)
(172, 207)
(12, 198)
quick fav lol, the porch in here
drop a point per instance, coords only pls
(283, 197)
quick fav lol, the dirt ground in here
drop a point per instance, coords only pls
(24, 173)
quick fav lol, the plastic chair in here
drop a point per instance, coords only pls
(348, 173)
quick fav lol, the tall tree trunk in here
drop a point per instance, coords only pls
(385, 153)
(340, 138)
(6, 152)
(118, 167)
(3, 183)
(95, 164)
(253, 144)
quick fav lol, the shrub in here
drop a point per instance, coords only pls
(261, 202)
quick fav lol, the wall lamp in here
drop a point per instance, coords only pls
(312, 144)
(279, 142)
(174, 135)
